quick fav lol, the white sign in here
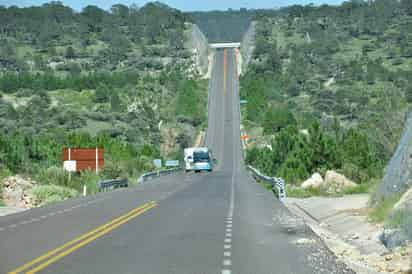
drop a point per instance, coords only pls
(172, 163)
(157, 163)
(70, 166)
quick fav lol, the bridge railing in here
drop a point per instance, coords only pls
(108, 185)
(159, 173)
(278, 184)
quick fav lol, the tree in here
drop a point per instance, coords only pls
(115, 102)
(70, 54)
(277, 118)
(407, 6)
(102, 94)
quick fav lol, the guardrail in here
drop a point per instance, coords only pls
(112, 184)
(278, 184)
(155, 174)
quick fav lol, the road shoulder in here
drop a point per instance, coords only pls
(341, 224)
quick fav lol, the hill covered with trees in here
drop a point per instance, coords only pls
(121, 79)
(329, 88)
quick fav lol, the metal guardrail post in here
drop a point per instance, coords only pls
(151, 175)
(278, 184)
(112, 184)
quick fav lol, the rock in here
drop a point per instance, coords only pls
(332, 177)
(393, 237)
(335, 182)
(303, 241)
(16, 192)
(355, 236)
(315, 181)
(398, 173)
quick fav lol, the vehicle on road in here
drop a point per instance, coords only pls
(188, 158)
(202, 159)
(198, 159)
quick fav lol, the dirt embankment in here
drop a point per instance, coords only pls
(199, 46)
(248, 46)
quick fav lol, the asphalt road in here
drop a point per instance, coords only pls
(219, 222)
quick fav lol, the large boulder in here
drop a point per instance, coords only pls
(335, 182)
(398, 176)
(393, 237)
(332, 177)
(313, 182)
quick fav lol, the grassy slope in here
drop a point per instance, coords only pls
(378, 108)
(159, 64)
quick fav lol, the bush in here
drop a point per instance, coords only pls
(52, 176)
(381, 210)
(45, 194)
(298, 192)
(112, 170)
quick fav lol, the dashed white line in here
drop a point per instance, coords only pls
(226, 271)
(229, 225)
(227, 253)
(33, 220)
(228, 230)
(229, 235)
(227, 262)
(227, 246)
(228, 240)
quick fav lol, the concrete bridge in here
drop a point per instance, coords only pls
(224, 45)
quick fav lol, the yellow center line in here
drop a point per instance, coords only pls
(84, 236)
(85, 242)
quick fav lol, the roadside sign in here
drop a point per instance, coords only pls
(157, 163)
(245, 137)
(172, 163)
(70, 166)
(242, 102)
(85, 158)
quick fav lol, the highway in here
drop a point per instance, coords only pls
(220, 222)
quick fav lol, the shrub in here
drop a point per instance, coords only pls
(381, 210)
(45, 194)
(298, 192)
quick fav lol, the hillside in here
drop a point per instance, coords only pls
(122, 79)
(329, 88)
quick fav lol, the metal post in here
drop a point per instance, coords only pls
(84, 190)
(97, 161)
(70, 158)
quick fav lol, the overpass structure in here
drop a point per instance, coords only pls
(224, 45)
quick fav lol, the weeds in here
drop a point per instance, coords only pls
(382, 209)
(45, 194)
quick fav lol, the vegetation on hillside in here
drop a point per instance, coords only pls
(113, 79)
(329, 87)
